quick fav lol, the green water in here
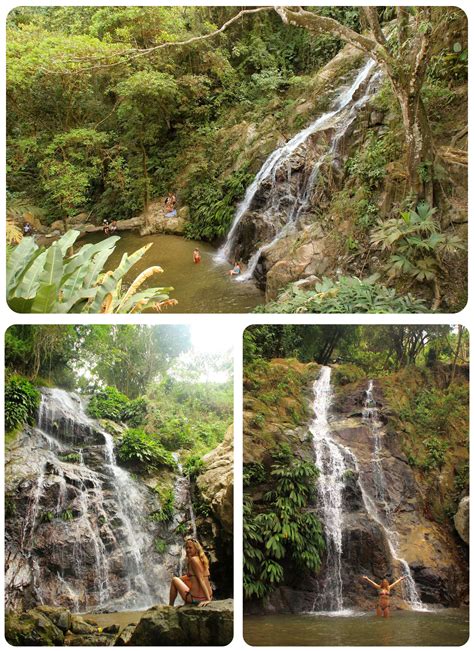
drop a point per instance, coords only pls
(203, 287)
(447, 627)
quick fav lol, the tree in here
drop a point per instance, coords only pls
(405, 60)
(129, 357)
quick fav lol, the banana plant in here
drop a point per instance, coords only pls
(44, 280)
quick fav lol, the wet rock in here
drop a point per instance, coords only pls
(80, 626)
(32, 628)
(125, 635)
(461, 519)
(61, 617)
(193, 626)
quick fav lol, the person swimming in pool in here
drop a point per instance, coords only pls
(194, 587)
(383, 606)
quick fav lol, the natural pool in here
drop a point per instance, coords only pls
(203, 287)
(446, 627)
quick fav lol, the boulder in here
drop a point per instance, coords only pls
(61, 617)
(32, 628)
(58, 225)
(80, 218)
(461, 519)
(123, 638)
(190, 626)
(217, 480)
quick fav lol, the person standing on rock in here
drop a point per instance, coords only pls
(194, 587)
(383, 607)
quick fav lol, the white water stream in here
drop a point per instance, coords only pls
(333, 460)
(292, 206)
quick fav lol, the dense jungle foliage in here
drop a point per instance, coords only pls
(135, 376)
(88, 131)
(423, 375)
(110, 108)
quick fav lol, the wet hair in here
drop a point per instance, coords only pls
(200, 552)
(384, 584)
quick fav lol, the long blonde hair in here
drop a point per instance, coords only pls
(200, 552)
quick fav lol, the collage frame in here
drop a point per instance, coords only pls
(235, 324)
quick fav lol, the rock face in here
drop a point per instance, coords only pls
(461, 519)
(284, 220)
(187, 626)
(384, 530)
(215, 487)
(216, 482)
(77, 533)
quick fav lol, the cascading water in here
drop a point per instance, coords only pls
(331, 465)
(380, 509)
(371, 415)
(333, 461)
(85, 541)
(283, 209)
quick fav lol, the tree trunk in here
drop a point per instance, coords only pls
(146, 190)
(419, 153)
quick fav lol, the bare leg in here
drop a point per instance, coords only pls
(386, 612)
(178, 586)
(378, 611)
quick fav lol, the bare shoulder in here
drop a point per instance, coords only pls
(196, 564)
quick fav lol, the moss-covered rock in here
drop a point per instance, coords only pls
(187, 626)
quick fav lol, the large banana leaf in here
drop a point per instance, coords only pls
(109, 283)
(18, 259)
(49, 281)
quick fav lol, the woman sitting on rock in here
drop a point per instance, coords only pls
(383, 607)
(194, 587)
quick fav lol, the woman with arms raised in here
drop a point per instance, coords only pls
(194, 587)
(383, 607)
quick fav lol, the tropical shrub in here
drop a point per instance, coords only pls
(283, 534)
(193, 466)
(134, 412)
(41, 280)
(139, 447)
(108, 403)
(417, 247)
(344, 295)
(166, 512)
(21, 402)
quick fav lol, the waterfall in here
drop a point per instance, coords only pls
(333, 460)
(284, 211)
(371, 416)
(331, 466)
(128, 497)
(85, 539)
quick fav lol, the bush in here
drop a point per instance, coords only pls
(166, 512)
(134, 412)
(284, 529)
(139, 447)
(109, 403)
(345, 295)
(22, 400)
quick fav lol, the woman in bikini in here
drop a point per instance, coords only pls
(194, 587)
(383, 607)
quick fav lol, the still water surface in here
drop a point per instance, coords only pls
(203, 287)
(447, 627)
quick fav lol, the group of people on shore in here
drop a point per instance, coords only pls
(109, 227)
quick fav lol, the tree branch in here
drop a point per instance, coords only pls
(132, 54)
